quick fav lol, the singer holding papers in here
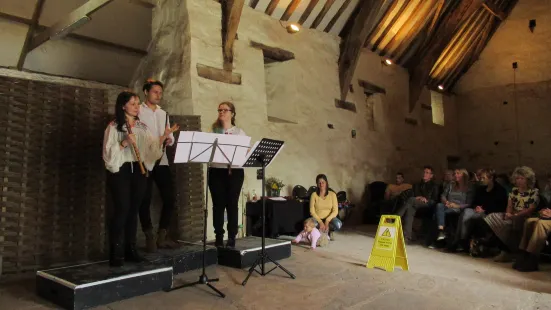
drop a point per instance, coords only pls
(225, 182)
(129, 151)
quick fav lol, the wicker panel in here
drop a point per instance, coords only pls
(190, 188)
(51, 174)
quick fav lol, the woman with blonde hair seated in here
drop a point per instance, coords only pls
(523, 200)
(324, 207)
(457, 196)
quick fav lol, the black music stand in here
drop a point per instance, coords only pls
(203, 278)
(262, 156)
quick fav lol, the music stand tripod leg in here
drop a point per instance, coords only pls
(263, 255)
(203, 278)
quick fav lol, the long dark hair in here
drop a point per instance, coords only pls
(230, 105)
(122, 100)
(324, 177)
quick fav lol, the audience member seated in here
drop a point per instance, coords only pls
(393, 190)
(489, 198)
(546, 191)
(503, 180)
(536, 232)
(393, 194)
(456, 197)
(447, 179)
(523, 200)
(324, 207)
(425, 194)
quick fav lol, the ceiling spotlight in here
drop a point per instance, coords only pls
(388, 62)
(292, 28)
(441, 87)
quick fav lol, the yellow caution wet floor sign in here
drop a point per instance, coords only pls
(389, 249)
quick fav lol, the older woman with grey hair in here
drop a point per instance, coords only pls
(523, 200)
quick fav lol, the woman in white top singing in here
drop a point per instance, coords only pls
(127, 147)
(224, 182)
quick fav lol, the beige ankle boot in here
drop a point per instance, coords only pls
(150, 246)
(164, 242)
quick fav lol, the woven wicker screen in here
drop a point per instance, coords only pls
(53, 199)
(51, 174)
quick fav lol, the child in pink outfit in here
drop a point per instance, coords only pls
(311, 235)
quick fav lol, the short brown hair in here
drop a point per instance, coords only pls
(490, 173)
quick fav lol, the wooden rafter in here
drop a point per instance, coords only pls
(231, 15)
(308, 11)
(78, 37)
(406, 33)
(290, 10)
(419, 74)
(322, 13)
(271, 7)
(30, 33)
(494, 10)
(335, 18)
(148, 4)
(350, 52)
(390, 23)
(84, 10)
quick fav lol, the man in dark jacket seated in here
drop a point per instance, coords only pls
(490, 197)
(425, 194)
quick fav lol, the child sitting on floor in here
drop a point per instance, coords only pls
(312, 235)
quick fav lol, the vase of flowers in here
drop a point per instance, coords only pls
(274, 186)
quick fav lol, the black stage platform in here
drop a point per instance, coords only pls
(93, 284)
(247, 249)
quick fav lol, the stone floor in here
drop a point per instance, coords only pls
(336, 278)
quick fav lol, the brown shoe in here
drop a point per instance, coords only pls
(164, 242)
(150, 246)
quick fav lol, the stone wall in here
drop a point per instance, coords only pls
(308, 87)
(504, 113)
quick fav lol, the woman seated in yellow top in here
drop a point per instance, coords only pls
(324, 207)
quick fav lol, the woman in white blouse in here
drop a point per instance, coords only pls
(225, 182)
(125, 179)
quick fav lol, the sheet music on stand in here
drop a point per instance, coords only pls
(197, 147)
(265, 149)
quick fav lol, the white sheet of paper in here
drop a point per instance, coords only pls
(197, 147)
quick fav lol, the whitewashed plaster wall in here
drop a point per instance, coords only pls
(311, 147)
(169, 57)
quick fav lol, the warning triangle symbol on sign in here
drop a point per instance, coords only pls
(386, 233)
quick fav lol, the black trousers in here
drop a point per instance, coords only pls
(127, 190)
(163, 178)
(225, 189)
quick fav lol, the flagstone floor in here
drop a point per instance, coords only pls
(336, 278)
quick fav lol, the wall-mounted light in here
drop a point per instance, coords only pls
(441, 87)
(292, 28)
(387, 62)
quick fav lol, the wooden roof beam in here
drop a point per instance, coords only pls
(419, 74)
(290, 10)
(308, 11)
(326, 7)
(352, 47)
(30, 33)
(63, 27)
(78, 37)
(231, 15)
(148, 4)
(494, 10)
(271, 7)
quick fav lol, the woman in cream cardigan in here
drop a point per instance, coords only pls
(324, 207)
